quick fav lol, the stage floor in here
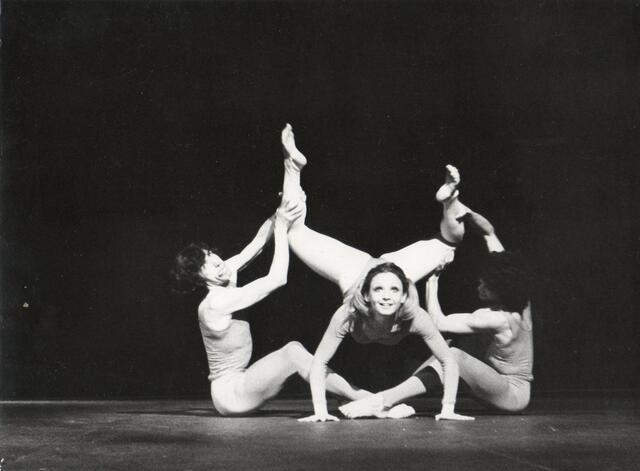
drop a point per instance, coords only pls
(568, 433)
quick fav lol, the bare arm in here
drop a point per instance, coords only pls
(482, 225)
(254, 248)
(480, 321)
(327, 348)
(229, 300)
(423, 326)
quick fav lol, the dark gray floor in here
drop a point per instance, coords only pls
(578, 433)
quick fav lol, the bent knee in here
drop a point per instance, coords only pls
(295, 349)
(458, 354)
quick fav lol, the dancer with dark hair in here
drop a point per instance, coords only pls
(237, 388)
(380, 301)
(503, 379)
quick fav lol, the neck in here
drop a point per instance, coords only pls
(212, 286)
(383, 322)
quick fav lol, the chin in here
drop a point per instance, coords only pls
(387, 313)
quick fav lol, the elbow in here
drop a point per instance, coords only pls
(281, 281)
(277, 280)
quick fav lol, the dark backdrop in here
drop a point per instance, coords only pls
(132, 128)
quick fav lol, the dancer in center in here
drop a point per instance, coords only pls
(380, 301)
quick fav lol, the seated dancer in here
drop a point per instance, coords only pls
(503, 379)
(235, 388)
(380, 301)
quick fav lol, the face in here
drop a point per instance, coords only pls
(215, 270)
(385, 294)
(484, 293)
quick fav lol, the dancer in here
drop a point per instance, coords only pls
(380, 301)
(235, 388)
(503, 379)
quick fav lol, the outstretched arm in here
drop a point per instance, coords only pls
(330, 342)
(480, 321)
(255, 247)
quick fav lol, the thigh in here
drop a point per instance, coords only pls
(485, 382)
(265, 378)
(328, 257)
(244, 392)
(421, 258)
(229, 397)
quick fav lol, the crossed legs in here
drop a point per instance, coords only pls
(485, 383)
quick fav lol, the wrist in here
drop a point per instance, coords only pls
(448, 407)
(320, 409)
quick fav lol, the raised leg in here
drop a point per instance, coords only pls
(451, 225)
(456, 215)
(294, 162)
(426, 256)
(326, 256)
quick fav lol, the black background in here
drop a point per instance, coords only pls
(132, 128)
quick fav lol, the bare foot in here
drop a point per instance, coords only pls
(366, 407)
(401, 411)
(290, 150)
(450, 187)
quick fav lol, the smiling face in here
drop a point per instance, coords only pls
(386, 294)
(214, 270)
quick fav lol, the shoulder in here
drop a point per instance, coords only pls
(342, 320)
(421, 323)
(211, 317)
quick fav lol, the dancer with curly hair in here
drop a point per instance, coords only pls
(236, 387)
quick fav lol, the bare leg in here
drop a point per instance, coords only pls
(489, 385)
(455, 214)
(451, 226)
(294, 162)
(378, 405)
(426, 256)
(265, 378)
(485, 382)
(326, 256)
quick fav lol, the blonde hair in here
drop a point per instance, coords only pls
(358, 306)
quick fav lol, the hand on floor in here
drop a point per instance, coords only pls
(320, 418)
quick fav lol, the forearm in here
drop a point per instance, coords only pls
(317, 381)
(450, 382)
(262, 237)
(433, 304)
(280, 262)
(265, 232)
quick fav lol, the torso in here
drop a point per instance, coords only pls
(362, 332)
(226, 337)
(511, 351)
(228, 350)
